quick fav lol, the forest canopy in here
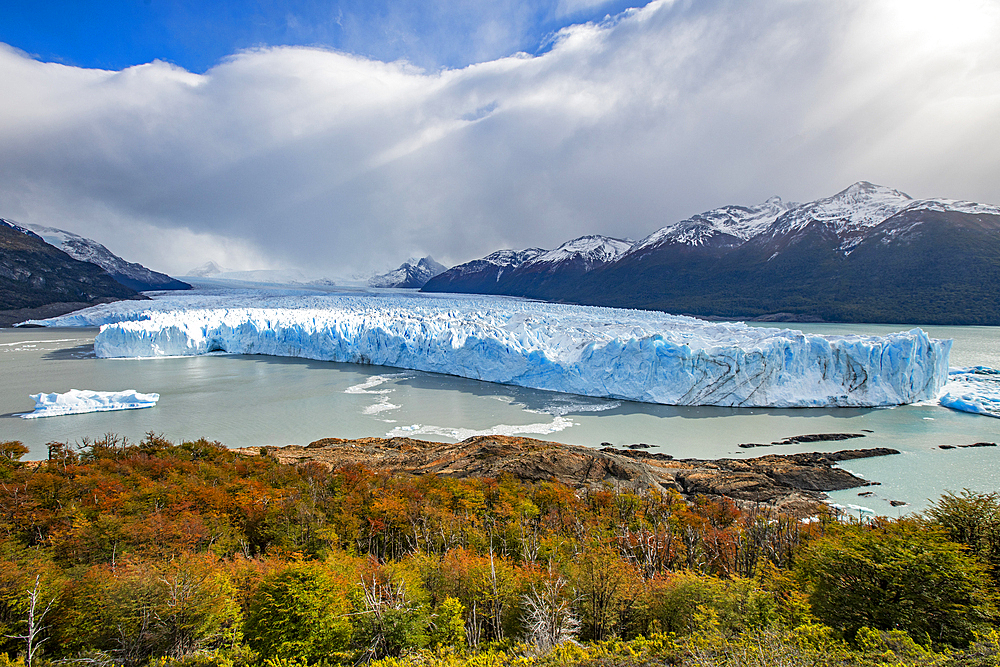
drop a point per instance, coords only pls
(120, 553)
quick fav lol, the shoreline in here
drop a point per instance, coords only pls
(791, 483)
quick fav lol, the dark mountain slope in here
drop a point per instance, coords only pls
(33, 274)
(921, 267)
(944, 265)
(481, 276)
(130, 274)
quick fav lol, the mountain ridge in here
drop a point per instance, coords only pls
(38, 278)
(131, 274)
(869, 253)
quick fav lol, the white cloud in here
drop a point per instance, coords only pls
(331, 162)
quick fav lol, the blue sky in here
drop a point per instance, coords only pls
(197, 34)
(340, 138)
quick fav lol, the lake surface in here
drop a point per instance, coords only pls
(255, 400)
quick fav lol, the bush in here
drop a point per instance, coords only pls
(974, 520)
(299, 612)
(904, 575)
(681, 603)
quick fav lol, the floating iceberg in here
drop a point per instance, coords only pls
(75, 402)
(636, 355)
(975, 389)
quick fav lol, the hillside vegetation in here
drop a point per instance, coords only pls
(114, 553)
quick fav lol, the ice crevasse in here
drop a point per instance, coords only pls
(634, 355)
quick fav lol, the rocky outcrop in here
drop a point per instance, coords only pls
(794, 483)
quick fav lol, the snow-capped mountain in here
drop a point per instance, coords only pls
(477, 276)
(954, 206)
(586, 251)
(525, 272)
(847, 215)
(130, 274)
(206, 270)
(862, 205)
(36, 276)
(722, 227)
(866, 254)
(412, 273)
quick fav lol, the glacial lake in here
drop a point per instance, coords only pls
(245, 400)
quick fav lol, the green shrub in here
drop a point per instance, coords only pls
(299, 612)
(683, 603)
(902, 575)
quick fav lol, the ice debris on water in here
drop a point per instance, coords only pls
(975, 389)
(625, 354)
(76, 401)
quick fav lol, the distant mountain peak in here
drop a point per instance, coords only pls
(737, 223)
(846, 214)
(20, 228)
(413, 273)
(206, 270)
(590, 250)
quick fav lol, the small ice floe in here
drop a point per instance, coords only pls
(847, 509)
(556, 425)
(367, 387)
(975, 390)
(76, 401)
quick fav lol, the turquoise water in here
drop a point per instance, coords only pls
(255, 400)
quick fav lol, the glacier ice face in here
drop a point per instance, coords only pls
(75, 402)
(634, 355)
(975, 390)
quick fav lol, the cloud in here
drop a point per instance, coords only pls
(330, 162)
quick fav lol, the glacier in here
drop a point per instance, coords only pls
(624, 354)
(76, 401)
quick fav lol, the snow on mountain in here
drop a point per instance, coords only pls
(37, 275)
(739, 222)
(511, 259)
(206, 270)
(130, 274)
(847, 214)
(530, 268)
(587, 251)
(953, 205)
(635, 355)
(20, 228)
(489, 269)
(412, 273)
